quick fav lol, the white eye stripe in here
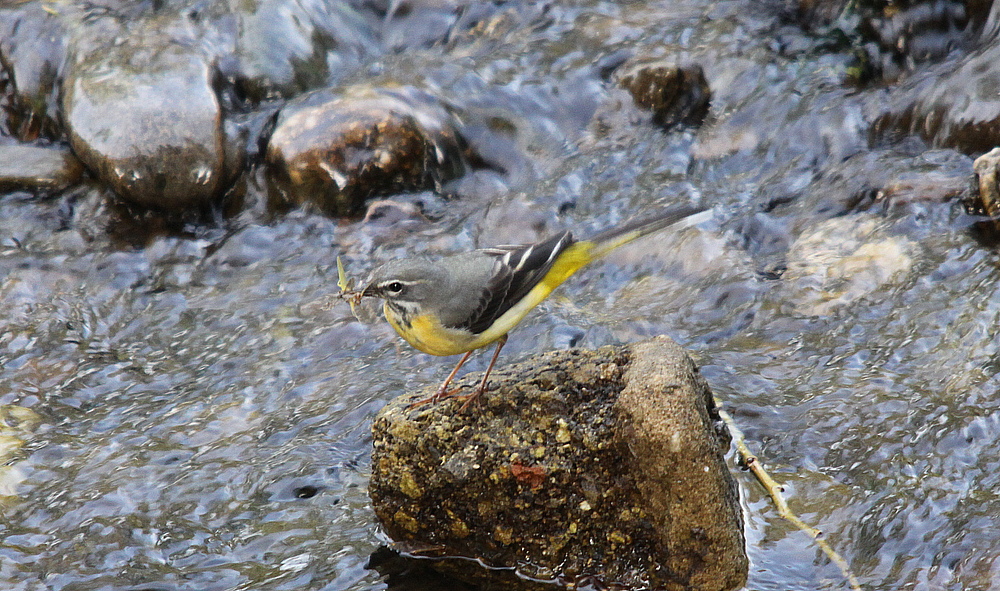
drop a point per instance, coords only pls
(396, 287)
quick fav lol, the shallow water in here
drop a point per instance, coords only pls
(195, 414)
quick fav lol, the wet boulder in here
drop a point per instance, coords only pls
(18, 425)
(674, 94)
(33, 52)
(335, 152)
(836, 263)
(142, 114)
(882, 178)
(987, 199)
(577, 466)
(281, 49)
(954, 104)
(48, 169)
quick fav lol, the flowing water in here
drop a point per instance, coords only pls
(195, 414)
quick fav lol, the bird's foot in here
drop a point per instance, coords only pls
(470, 398)
(438, 396)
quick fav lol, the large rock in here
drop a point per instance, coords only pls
(33, 52)
(283, 48)
(578, 466)
(954, 104)
(988, 178)
(674, 94)
(143, 114)
(337, 152)
(838, 262)
(986, 201)
(48, 169)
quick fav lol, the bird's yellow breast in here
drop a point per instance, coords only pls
(426, 333)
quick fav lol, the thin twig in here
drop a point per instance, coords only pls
(774, 490)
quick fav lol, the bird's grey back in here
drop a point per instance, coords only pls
(469, 272)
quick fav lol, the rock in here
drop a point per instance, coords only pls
(46, 169)
(814, 14)
(576, 467)
(893, 40)
(933, 186)
(337, 152)
(674, 94)
(142, 114)
(33, 51)
(390, 211)
(887, 39)
(17, 428)
(920, 32)
(282, 48)
(886, 178)
(988, 198)
(840, 261)
(421, 23)
(954, 104)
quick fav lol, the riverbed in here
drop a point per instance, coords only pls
(186, 404)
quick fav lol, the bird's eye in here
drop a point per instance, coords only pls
(394, 287)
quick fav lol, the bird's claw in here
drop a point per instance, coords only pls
(442, 394)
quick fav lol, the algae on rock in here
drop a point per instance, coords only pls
(577, 465)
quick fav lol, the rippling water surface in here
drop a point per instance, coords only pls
(195, 414)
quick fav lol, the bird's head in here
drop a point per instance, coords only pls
(407, 281)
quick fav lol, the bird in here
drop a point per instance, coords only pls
(466, 301)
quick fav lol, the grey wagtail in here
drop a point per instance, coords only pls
(466, 301)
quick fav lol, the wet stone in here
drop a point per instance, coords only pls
(41, 169)
(886, 178)
(33, 49)
(985, 199)
(336, 153)
(576, 466)
(144, 117)
(283, 49)
(952, 105)
(676, 95)
(816, 13)
(17, 428)
(891, 39)
(904, 36)
(988, 197)
(392, 211)
(841, 261)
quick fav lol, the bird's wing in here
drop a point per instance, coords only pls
(516, 271)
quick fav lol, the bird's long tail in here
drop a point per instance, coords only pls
(584, 252)
(608, 240)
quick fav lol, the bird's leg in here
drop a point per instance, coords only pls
(482, 385)
(442, 392)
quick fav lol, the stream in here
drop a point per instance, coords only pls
(186, 405)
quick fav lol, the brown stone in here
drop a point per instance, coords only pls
(576, 466)
(337, 153)
(674, 94)
(988, 197)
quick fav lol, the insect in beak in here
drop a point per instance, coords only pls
(352, 296)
